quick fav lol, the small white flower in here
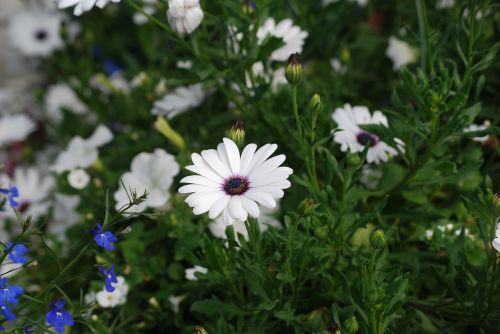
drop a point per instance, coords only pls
(351, 137)
(14, 128)
(151, 172)
(60, 97)
(184, 64)
(83, 5)
(266, 219)
(370, 177)
(81, 153)
(429, 233)
(190, 272)
(112, 299)
(232, 184)
(175, 302)
(337, 66)
(139, 18)
(64, 214)
(496, 242)
(36, 32)
(444, 4)
(34, 192)
(361, 3)
(400, 53)
(139, 79)
(184, 16)
(477, 127)
(180, 100)
(276, 78)
(292, 36)
(78, 178)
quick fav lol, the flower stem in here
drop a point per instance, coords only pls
(423, 28)
(296, 112)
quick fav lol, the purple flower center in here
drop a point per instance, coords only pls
(41, 35)
(23, 206)
(236, 186)
(365, 138)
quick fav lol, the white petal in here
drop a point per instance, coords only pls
(246, 158)
(261, 197)
(250, 206)
(218, 206)
(233, 154)
(197, 179)
(192, 188)
(236, 209)
(212, 159)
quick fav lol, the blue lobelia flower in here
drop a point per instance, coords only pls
(110, 277)
(17, 253)
(9, 294)
(12, 194)
(105, 239)
(7, 312)
(58, 317)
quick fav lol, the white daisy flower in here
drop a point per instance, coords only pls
(232, 184)
(184, 16)
(266, 219)
(351, 137)
(82, 6)
(64, 214)
(112, 299)
(151, 172)
(14, 128)
(180, 100)
(190, 272)
(496, 242)
(479, 127)
(78, 178)
(36, 32)
(81, 153)
(401, 53)
(292, 36)
(34, 192)
(61, 97)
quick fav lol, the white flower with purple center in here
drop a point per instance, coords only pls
(36, 32)
(351, 137)
(234, 185)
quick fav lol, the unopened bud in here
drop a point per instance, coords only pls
(307, 206)
(94, 317)
(293, 72)
(321, 233)
(353, 160)
(316, 103)
(200, 330)
(154, 303)
(237, 133)
(351, 325)
(377, 239)
(162, 126)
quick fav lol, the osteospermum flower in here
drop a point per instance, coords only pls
(36, 32)
(351, 137)
(117, 297)
(14, 128)
(401, 53)
(180, 100)
(496, 242)
(82, 6)
(184, 16)
(62, 97)
(292, 36)
(58, 317)
(233, 185)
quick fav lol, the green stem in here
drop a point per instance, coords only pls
(296, 112)
(423, 28)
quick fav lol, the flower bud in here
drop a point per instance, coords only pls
(321, 233)
(200, 330)
(237, 133)
(293, 71)
(154, 303)
(307, 206)
(377, 239)
(353, 160)
(162, 126)
(351, 325)
(316, 104)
